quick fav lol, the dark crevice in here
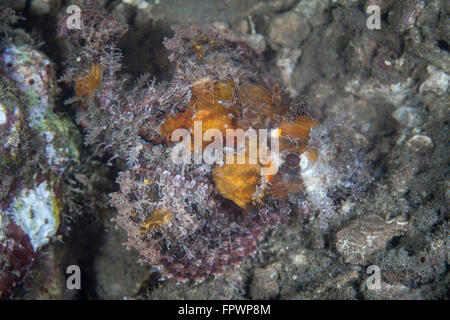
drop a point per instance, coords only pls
(83, 246)
(443, 45)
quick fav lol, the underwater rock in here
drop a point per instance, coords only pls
(367, 235)
(437, 82)
(32, 73)
(37, 146)
(16, 256)
(289, 29)
(265, 282)
(389, 291)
